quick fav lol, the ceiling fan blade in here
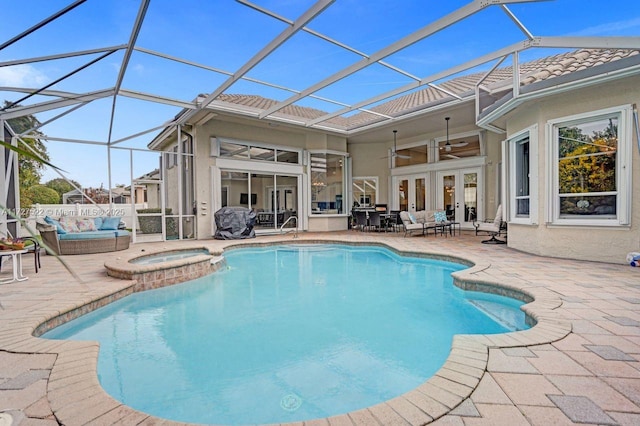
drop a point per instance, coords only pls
(459, 144)
(406, 157)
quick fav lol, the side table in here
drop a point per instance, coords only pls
(16, 259)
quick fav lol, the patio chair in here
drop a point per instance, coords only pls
(409, 225)
(374, 220)
(394, 221)
(361, 219)
(494, 228)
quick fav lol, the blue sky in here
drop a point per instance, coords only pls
(225, 34)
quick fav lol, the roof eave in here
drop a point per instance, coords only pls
(576, 80)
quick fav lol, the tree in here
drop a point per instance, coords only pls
(61, 186)
(40, 194)
(29, 168)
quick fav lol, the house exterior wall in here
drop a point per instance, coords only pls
(606, 244)
(370, 160)
(207, 184)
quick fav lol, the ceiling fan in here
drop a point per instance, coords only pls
(447, 146)
(394, 152)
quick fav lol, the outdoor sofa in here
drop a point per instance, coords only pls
(83, 235)
(423, 220)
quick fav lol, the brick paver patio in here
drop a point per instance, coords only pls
(580, 364)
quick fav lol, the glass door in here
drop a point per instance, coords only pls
(411, 192)
(459, 194)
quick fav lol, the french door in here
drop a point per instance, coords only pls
(459, 194)
(411, 192)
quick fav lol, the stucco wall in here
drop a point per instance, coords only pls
(370, 160)
(577, 242)
(261, 132)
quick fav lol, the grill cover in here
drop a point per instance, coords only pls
(234, 223)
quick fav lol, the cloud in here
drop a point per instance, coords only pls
(22, 76)
(611, 28)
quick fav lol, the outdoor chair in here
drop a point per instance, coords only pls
(361, 219)
(374, 220)
(409, 225)
(394, 221)
(494, 228)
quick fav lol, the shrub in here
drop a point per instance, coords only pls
(40, 194)
(153, 224)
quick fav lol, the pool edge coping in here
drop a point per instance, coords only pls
(456, 379)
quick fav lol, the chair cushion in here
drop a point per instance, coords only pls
(121, 232)
(69, 224)
(110, 223)
(52, 221)
(89, 235)
(86, 224)
(440, 216)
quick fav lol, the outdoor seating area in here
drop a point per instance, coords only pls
(80, 235)
(376, 219)
(425, 220)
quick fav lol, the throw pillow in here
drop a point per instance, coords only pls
(69, 224)
(52, 221)
(110, 223)
(412, 218)
(85, 225)
(440, 216)
(98, 222)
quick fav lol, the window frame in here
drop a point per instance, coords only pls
(623, 167)
(346, 184)
(530, 133)
(356, 197)
(277, 149)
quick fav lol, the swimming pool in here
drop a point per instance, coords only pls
(286, 333)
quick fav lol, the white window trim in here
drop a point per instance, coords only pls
(623, 169)
(532, 134)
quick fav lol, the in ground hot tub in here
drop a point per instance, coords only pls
(164, 267)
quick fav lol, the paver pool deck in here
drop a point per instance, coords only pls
(580, 364)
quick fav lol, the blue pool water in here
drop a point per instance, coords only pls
(286, 333)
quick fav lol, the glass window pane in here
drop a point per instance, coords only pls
(412, 156)
(587, 155)
(262, 154)
(288, 157)
(585, 205)
(327, 183)
(233, 150)
(456, 149)
(237, 184)
(522, 177)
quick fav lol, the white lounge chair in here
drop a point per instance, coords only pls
(494, 228)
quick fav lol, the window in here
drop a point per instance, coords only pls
(521, 153)
(327, 172)
(238, 150)
(521, 183)
(365, 191)
(171, 158)
(591, 173)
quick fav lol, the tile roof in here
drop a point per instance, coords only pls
(531, 72)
